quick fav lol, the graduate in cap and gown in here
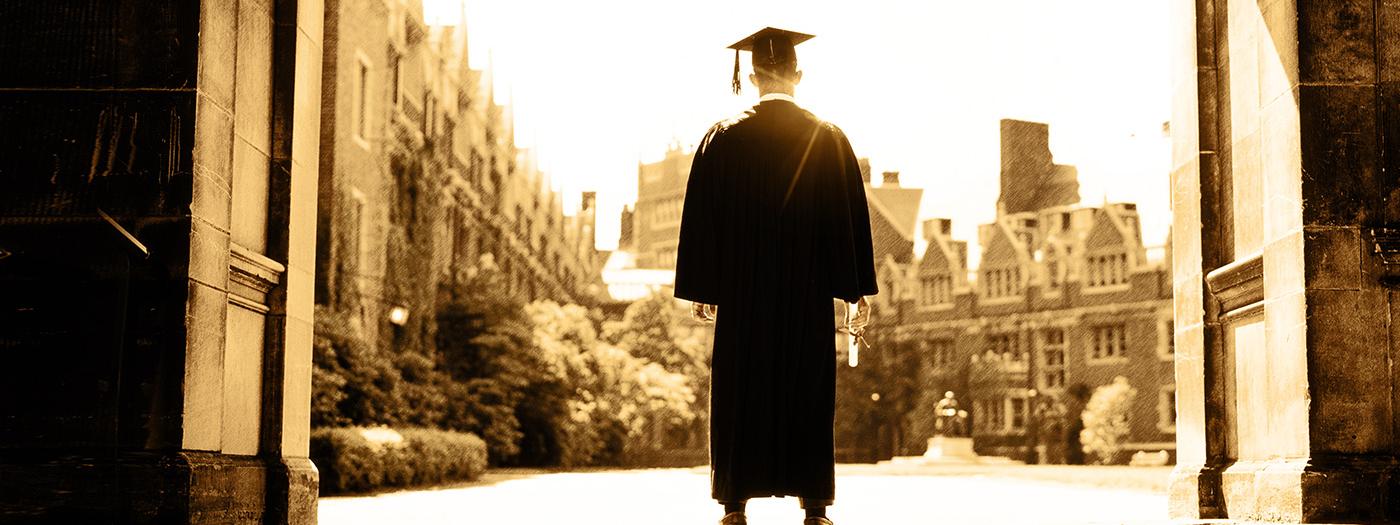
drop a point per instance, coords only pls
(775, 226)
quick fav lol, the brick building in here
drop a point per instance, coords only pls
(421, 181)
(656, 219)
(1064, 300)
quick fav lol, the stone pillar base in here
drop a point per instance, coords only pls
(1315, 490)
(150, 487)
(294, 484)
(1194, 493)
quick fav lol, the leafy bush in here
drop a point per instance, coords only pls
(352, 382)
(359, 459)
(1106, 421)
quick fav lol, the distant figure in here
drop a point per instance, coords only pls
(946, 416)
(775, 226)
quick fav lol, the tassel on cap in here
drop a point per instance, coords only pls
(737, 87)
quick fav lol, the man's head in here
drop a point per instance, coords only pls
(774, 60)
(775, 79)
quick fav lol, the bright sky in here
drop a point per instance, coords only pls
(919, 86)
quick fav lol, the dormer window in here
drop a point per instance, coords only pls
(1053, 270)
(1001, 282)
(936, 289)
(1109, 269)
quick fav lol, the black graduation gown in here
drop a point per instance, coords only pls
(774, 227)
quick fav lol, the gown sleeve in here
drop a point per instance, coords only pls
(698, 250)
(852, 251)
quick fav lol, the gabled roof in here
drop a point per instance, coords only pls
(935, 259)
(1000, 249)
(1104, 233)
(899, 206)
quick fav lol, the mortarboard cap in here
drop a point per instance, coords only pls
(770, 46)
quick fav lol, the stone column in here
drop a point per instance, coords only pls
(1285, 123)
(157, 230)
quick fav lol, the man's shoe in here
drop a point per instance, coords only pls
(734, 518)
(817, 521)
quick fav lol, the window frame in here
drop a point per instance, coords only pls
(361, 105)
(1120, 343)
(1045, 368)
(1166, 409)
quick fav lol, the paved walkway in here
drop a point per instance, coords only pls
(866, 495)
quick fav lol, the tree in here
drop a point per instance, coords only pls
(876, 399)
(1106, 420)
(352, 382)
(655, 331)
(484, 346)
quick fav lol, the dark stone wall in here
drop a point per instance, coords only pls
(96, 113)
(96, 116)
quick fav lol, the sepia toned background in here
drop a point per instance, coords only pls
(363, 261)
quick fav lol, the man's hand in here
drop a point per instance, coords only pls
(858, 317)
(705, 313)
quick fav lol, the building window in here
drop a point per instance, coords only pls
(360, 104)
(358, 223)
(666, 213)
(459, 237)
(477, 163)
(937, 289)
(1052, 359)
(1166, 409)
(1002, 282)
(1166, 339)
(992, 414)
(1007, 346)
(940, 352)
(1109, 342)
(1017, 407)
(429, 116)
(395, 78)
(1107, 270)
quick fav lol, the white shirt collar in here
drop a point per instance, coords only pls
(776, 96)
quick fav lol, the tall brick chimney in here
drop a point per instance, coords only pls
(1030, 179)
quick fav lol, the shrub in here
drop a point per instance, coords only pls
(359, 459)
(1106, 420)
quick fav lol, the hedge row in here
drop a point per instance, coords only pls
(359, 459)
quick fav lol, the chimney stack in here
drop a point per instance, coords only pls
(937, 227)
(864, 170)
(891, 179)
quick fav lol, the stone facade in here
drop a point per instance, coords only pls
(656, 218)
(1284, 130)
(422, 180)
(1064, 300)
(157, 239)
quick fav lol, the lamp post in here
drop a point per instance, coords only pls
(1033, 424)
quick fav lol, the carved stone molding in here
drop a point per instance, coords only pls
(251, 277)
(1238, 287)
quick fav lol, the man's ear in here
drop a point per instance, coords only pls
(797, 77)
(753, 79)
